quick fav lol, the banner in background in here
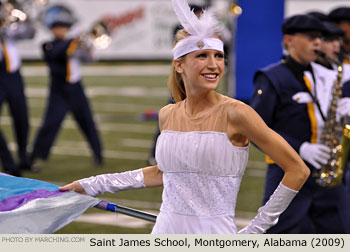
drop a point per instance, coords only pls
(141, 29)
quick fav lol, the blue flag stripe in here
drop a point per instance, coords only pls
(11, 186)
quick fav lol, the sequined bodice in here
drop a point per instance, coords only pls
(202, 170)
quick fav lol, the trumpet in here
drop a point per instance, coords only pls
(12, 15)
(15, 14)
(98, 36)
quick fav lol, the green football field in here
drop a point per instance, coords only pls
(118, 102)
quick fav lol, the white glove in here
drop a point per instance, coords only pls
(113, 182)
(314, 153)
(343, 108)
(269, 213)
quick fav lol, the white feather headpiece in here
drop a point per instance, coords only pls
(201, 31)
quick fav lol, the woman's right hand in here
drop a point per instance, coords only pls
(74, 186)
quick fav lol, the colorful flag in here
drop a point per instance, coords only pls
(37, 207)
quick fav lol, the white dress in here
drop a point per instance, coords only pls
(202, 172)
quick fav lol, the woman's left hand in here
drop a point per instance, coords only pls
(74, 186)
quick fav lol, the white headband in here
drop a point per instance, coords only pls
(200, 31)
(194, 43)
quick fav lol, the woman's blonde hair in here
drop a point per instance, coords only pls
(175, 82)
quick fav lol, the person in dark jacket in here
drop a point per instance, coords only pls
(12, 90)
(341, 17)
(292, 97)
(63, 56)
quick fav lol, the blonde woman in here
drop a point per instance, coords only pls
(203, 148)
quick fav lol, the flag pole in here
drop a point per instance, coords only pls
(104, 205)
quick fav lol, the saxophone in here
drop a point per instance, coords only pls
(336, 137)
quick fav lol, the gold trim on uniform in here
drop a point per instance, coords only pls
(72, 47)
(311, 113)
(312, 116)
(6, 57)
(268, 160)
(70, 51)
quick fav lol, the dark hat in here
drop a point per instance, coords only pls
(58, 15)
(319, 15)
(332, 30)
(301, 23)
(339, 14)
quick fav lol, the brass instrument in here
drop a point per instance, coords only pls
(12, 15)
(15, 12)
(98, 36)
(336, 137)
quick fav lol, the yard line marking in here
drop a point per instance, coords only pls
(106, 107)
(125, 155)
(113, 219)
(154, 92)
(126, 127)
(149, 70)
(123, 107)
(112, 154)
(132, 142)
(102, 126)
(36, 92)
(131, 222)
(255, 173)
(161, 92)
(75, 144)
(256, 164)
(86, 152)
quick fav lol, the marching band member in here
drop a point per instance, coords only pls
(332, 46)
(12, 89)
(341, 17)
(328, 57)
(293, 97)
(63, 56)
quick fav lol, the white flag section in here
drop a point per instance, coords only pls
(36, 207)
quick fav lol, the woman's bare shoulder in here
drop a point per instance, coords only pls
(239, 112)
(164, 114)
(164, 111)
(237, 121)
(236, 107)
